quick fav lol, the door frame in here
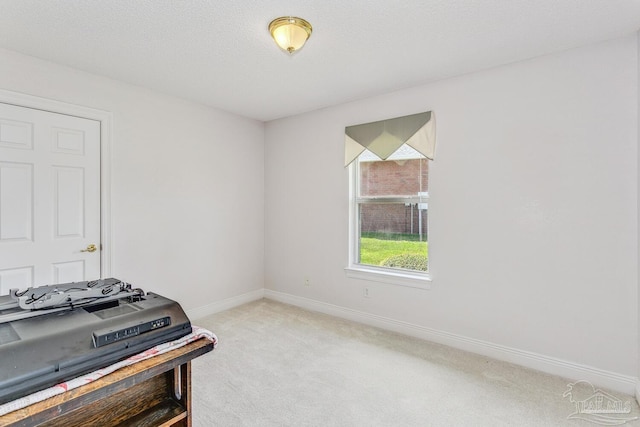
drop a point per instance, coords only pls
(106, 122)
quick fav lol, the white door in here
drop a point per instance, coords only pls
(49, 198)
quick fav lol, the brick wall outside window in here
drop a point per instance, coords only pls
(393, 178)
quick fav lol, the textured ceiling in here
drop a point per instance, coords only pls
(219, 53)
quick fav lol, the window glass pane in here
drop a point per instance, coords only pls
(405, 173)
(390, 237)
(392, 210)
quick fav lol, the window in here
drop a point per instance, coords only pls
(390, 199)
(390, 222)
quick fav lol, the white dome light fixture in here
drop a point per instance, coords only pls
(290, 33)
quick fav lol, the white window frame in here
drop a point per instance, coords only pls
(355, 270)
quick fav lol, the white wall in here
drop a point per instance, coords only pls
(533, 217)
(637, 393)
(185, 180)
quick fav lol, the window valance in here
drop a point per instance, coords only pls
(384, 137)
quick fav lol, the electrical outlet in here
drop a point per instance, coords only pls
(307, 282)
(366, 293)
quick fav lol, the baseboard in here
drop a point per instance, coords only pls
(225, 304)
(571, 371)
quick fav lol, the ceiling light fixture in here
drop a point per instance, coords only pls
(290, 33)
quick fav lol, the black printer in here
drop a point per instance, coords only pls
(51, 334)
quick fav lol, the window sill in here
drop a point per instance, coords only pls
(402, 278)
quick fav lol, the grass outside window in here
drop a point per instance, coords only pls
(376, 248)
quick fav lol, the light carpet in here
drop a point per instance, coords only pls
(279, 365)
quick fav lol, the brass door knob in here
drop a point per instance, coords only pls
(90, 248)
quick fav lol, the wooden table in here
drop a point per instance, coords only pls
(154, 392)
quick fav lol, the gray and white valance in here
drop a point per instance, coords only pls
(384, 137)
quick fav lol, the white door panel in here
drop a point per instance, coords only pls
(49, 197)
(20, 277)
(16, 202)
